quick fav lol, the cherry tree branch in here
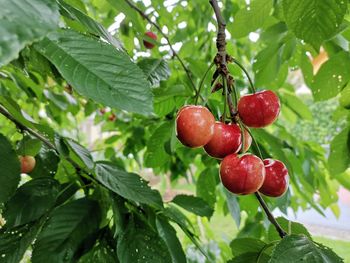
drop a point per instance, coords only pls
(187, 70)
(221, 46)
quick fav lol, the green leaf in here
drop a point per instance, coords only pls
(267, 64)
(251, 257)
(82, 153)
(243, 245)
(10, 170)
(155, 155)
(332, 77)
(14, 242)
(344, 99)
(296, 248)
(314, 21)
(66, 228)
(91, 25)
(206, 186)
(102, 252)
(250, 18)
(98, 71)
(339, 157)
(31, 201)
(168, 234)
(29, 146)
(297, 105)
(164, 93)
(15, 110)
(156, 70)
(233, 206)
(46, 163)
(128, 185)
(119, 213)
(194, 205)
(141, 244)
(23, 22)
(289, 226)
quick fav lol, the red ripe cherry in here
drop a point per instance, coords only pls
(276, 179)
(259, 109)
(148, 44)
(194, 126)
(227, 139)
(27, 163)
(242, 175)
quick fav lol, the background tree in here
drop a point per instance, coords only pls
(80, 92)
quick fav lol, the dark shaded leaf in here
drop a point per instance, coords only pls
(31, 201)
(66, 228)
(10, 170)
(296, 248)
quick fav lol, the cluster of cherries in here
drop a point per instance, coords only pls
(240, 174)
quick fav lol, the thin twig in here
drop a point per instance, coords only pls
(246, 73)
(202, 82)
(270, 216)
(221, 46)
(188, 72)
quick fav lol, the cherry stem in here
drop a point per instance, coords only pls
(253, 138)
(246, 73)
(221, 46)
(202, 82)
(187, 70)
(270, 216)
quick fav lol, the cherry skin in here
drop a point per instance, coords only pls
(242, 175)
(247, 141)
(227, 139)
(148, 44)
(259, 109)
(27, 163)
(276, 179)
(194, 126)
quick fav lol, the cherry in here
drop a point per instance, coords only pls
(102, 110)
(276, 179)
(148, 44)
(27, 163)
(227, 139)
(194, 126)
(112, 117)
(259, 109)
(242, 175)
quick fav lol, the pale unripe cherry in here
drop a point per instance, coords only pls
(27, 163)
